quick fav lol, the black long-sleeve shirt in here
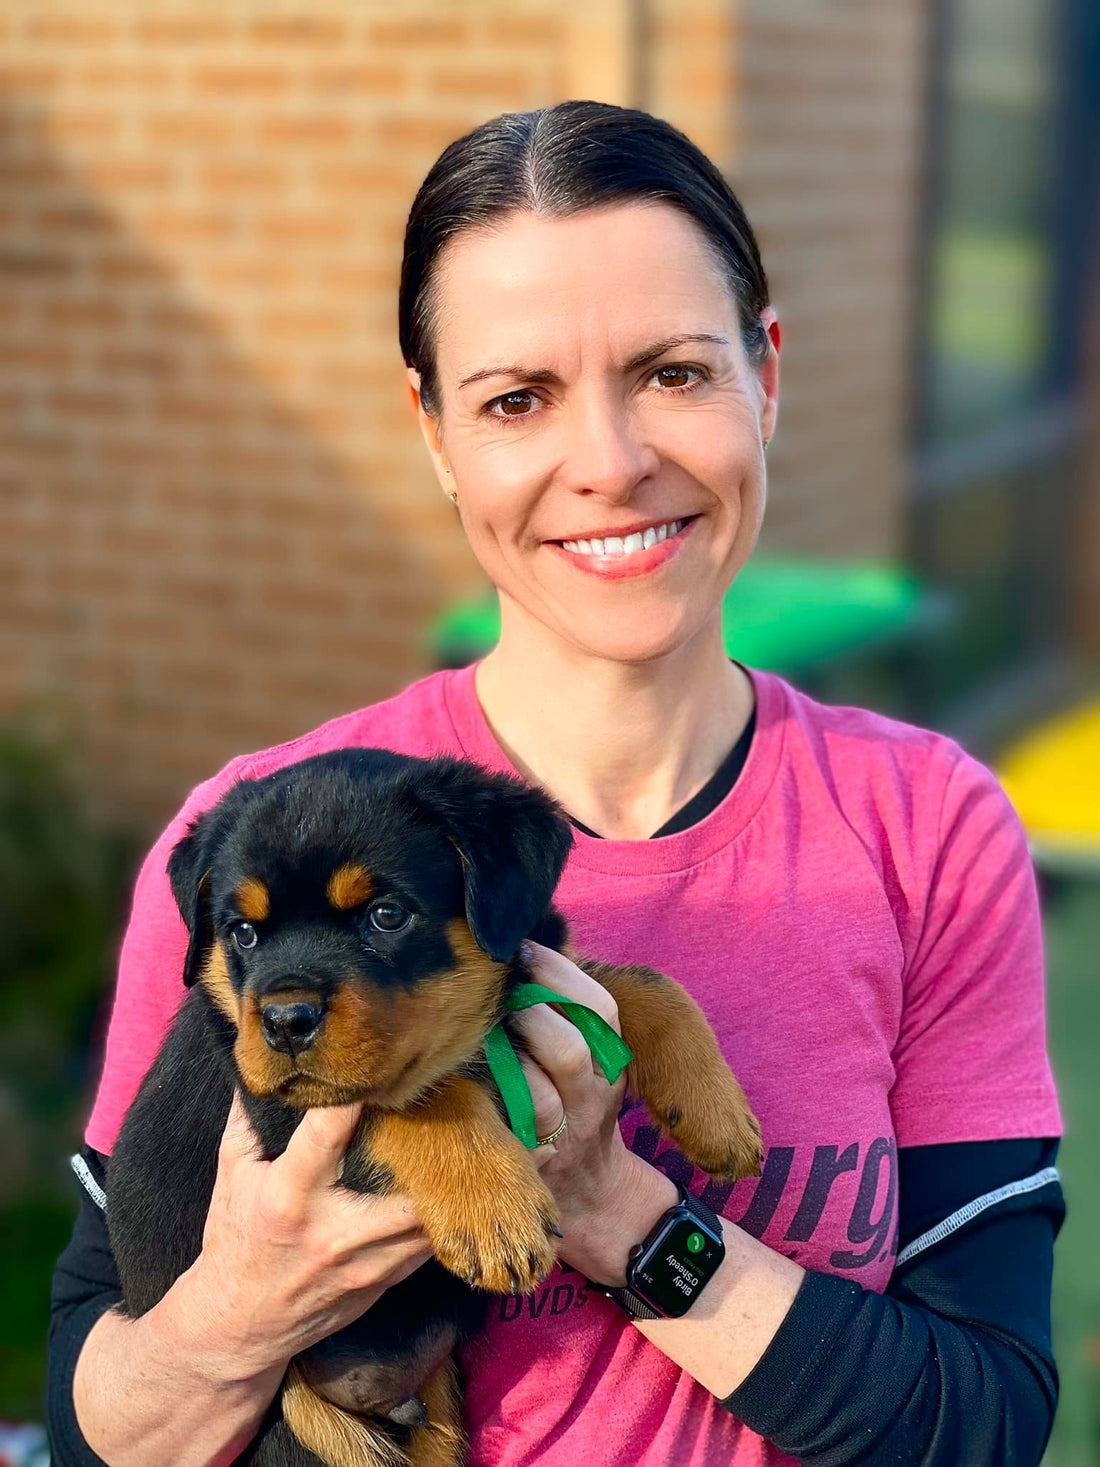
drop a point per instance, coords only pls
(953, 1365)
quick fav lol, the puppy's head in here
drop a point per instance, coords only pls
(353, 917)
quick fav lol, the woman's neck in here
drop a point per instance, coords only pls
(621, 746)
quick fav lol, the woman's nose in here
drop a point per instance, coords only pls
(607, 455)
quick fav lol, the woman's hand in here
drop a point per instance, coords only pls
(609, 1198)
(288, 1256)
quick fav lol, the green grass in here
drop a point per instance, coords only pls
(1073, 946)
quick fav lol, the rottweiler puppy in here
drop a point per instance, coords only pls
(354, 923)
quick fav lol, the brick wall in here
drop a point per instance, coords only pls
(217, 522)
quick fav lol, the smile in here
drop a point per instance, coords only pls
(627, 557)
(626, 545)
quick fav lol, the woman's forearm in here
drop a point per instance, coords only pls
(156, 1389)
(735, 1319)
(853, 1373)
(737, 1315)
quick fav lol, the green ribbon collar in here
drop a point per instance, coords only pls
(609, 1051)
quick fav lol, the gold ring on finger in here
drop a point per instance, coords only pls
(553, 1136)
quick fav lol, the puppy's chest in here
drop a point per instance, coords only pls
(275, 1122)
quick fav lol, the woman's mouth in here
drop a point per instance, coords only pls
(616, 556)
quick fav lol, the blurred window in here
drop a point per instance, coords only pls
(1012, 135)
(990, 282)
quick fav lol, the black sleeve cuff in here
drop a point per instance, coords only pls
(768, 1400)
(85, 1285)
(68, 1448)
(853, 1377)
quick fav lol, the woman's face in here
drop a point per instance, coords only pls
(610, 483)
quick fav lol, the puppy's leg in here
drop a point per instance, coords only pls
(441, 1443)
(475, 1188)
(336, 1437)
(279, 1447)
(679, 1071)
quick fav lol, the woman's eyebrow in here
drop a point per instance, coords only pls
(639, 359)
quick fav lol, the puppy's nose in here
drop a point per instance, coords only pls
(292, 1027)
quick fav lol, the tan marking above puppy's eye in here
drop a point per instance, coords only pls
(253, 899)
(349, 886)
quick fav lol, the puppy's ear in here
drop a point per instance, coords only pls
(513, 842)
(189, 870)
(189, 874)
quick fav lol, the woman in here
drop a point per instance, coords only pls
(594, 364)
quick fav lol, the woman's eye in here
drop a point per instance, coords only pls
(512, 405)
(388, 917)
(523, 404)
(244, 935)
(678, 371)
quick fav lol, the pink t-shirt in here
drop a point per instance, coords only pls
(858, 920)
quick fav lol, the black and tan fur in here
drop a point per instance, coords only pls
(325, 1008)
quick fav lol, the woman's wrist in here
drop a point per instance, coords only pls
(193, 1319)
(725, 1333)
(635, 1198)
(157, 1389)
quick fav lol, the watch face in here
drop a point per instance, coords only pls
(676, 1266)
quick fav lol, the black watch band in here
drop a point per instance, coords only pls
(635, 1307)
(626, 1298)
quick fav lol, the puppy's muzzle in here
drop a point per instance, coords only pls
(292, 1027)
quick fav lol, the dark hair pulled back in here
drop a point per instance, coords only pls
(558, 161)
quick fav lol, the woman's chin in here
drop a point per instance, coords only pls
(633, 643)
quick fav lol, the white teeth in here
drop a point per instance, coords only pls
(625, 545)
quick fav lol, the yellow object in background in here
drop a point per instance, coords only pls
(1052, 777)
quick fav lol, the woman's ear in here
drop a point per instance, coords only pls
(430, 430)
(768, 374)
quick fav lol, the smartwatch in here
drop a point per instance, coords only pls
(673, 1265)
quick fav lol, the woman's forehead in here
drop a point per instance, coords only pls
(615, 278)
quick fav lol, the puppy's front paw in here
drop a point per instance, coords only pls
(715, 1128)
(500, 1239)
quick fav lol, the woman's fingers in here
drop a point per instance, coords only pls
(560, 1049)
(391, 1218)
(554, 970)
(560, 1063)
(239, 1141)
(381, 1265)
(315, 1154)
(549, 1106)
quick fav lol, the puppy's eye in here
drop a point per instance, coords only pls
(388, 917)
(244, 935)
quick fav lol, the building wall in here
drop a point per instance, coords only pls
(217, 522)
(831, 141)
